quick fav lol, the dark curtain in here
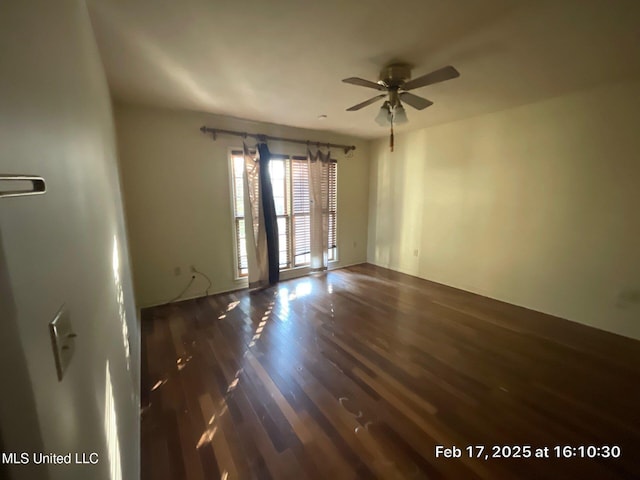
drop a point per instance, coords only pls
(270, 218)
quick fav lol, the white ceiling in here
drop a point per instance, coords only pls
(281, 61)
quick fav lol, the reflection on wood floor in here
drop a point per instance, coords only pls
(362, 372)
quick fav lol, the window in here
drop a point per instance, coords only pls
(290, 181)
(242, 266)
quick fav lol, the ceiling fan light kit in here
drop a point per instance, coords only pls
(384, 115)
(396, 81)
(399, 115)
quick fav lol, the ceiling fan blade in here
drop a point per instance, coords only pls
(446, 73)
(366, 102)
(415, 101)
(364, 83)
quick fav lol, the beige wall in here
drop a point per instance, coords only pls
(537, 206)
(65, 247)
(178, 200)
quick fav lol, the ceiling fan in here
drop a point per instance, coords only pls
(394, 80)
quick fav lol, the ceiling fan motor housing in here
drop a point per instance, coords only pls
(395, 75)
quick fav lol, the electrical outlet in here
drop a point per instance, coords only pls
(416, 252)
(177, 271)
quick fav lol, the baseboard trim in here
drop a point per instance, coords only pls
(290, 275)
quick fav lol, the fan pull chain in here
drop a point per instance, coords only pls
(391, 138)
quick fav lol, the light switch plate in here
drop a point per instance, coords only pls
(62, 340)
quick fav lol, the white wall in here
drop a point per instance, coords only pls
(178, 201)
(67, 246)
(536, 206)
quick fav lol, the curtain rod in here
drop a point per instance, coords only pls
(263, 138)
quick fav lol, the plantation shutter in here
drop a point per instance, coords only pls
(333, 205)
(301, 211)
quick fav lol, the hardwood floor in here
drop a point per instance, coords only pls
(362, 372)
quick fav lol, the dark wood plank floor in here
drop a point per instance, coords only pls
(362, 372)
